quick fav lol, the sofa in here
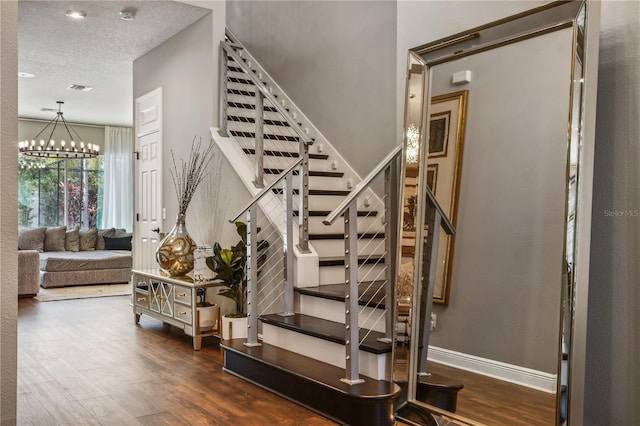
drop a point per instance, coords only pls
(68, 257)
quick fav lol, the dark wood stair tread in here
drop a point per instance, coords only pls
(331, 192)
(251, 120)
(362, 260)
(327, 330)
(313, 369)
(312, 383)
(323, 213)
(267, 136)
(370, 293)
(318, 173)
(243, 105)
(340, 236)
(286, 154)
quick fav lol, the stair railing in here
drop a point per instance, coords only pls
(234, 51)
(381, 273)
(276, 273)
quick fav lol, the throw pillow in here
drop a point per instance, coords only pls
(117, 243)
(104, 233)
(54, 238)
(72, 239)
(31, 239)
(88, 239)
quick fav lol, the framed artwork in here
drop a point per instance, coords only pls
(444, 164)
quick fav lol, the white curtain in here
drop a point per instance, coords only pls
(117, 200)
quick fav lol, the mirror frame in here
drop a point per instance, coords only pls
(538, 21)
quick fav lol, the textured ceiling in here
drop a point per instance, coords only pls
(97, 51)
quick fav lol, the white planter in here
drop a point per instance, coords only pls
(208, 317)
(234, 328)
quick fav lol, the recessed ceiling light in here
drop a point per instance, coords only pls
(80, 87)
(76, 14)
(25, 74)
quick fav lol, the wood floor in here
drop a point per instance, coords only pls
(496, 402)
(84, 362)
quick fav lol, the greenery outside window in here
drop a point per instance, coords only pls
(53, 192)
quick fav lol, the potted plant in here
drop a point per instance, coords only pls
(230, 268)
(207, 312)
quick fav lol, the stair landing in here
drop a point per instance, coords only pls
(312, 383)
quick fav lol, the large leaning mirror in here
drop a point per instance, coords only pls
(499, 131)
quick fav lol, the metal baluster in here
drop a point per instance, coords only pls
(252, 277)
(391, 179)
(222, 94)
(433, 220)
(303, 215)
(259, 142)
(352, 335)
(287, 241)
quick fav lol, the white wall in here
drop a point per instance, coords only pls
(9, 211)
(186, 67)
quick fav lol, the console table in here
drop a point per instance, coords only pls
(171, 300)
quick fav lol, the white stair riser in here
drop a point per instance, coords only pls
(333, 310)
(365, 225)
(371, 365)
(251, 113)
(367, 246)
(336, 274)
(270, 161)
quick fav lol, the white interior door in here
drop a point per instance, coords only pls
(148, 188)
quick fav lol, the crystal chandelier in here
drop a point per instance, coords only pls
(75, 148)
(413, 137)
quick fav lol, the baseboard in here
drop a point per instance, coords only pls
(523, 376)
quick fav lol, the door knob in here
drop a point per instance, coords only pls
(156, 230)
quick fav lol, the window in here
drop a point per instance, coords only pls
(55, 192)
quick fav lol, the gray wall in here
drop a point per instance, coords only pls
(184, 67)
(507, 267)
(336, 62)
(613, 335)
(9, 212)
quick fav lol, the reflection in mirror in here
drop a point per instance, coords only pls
(494, 349)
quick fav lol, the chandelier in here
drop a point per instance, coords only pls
(75, 148)
(412, 151)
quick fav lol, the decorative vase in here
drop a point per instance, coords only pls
(175, 252)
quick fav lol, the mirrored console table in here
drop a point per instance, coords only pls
(173, 300)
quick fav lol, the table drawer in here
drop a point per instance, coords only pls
(182, 313)
(182, 294)
(141, 299)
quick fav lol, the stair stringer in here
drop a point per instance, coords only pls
(306, 268)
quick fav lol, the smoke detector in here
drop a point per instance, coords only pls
(128, 14)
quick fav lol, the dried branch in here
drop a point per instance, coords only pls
(191, 173)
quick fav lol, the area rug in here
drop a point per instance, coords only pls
(83, 292)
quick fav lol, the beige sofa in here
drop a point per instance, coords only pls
(28, 273)
(76, 257)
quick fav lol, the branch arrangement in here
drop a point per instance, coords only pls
(191, 173)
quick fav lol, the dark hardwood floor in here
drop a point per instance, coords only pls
(499, 403)
(84, 362)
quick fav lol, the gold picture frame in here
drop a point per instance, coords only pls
(446, 146)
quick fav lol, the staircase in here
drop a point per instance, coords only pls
(307, 303)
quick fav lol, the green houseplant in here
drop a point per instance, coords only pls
(230, 267)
